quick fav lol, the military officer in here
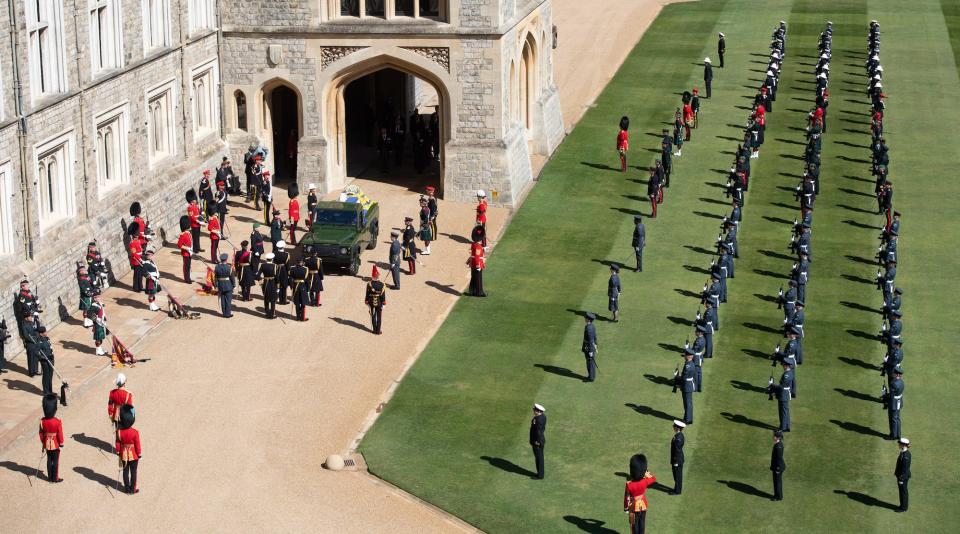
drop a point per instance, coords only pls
(894, 402)
(256, 248)
(777, 465)
(676, 456)
(782, 392)
(887, 281)
(434, 210)
(311, 203)
(276, 229)
(538, 428)
(721, 48)
(376, 299)
(314, 265)
(727, 260)
(282, 259)
(893, 305)
(410, 245)
(128, 448)
(639, 241)
(51, 436)
(266, 195)
(613, 292)
(245, 274)
(686, 382)
(477, 263)
(299, 288)
(712, 293)
(707, 74)
(267, 274)
(589, 346)
(396, 252)
(225, 284)
(187, 247)
(118, 397)
(902, 472)
(712, 324)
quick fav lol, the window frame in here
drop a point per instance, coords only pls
(150, 8)
(208, 73)
(46, 48)
(61, 152)
(166, 95)
(201, 16)
(113, 44)
(117, 119)
(390, 11)
(7, 235)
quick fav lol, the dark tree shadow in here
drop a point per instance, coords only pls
(669, 347)
(79, 347)
(777, 220)
(688, 293)
(96, 443)
(679, 320)
(857, 395)
(860, 259)
(746, 488)
(858, 279)
(457, 238)
(744, 386)
(771, 274)
(348, 322)
(652, 412)
(859, 429)
(559, 371)
(858, 306)
(508, 466)
(863, 335)
(867, 500)
(708, 215)
(859, 363)
(594, 526)
(695, 269)
(756, 353)
(659, 380)
(600, 166)
(777, 255)
(700, 250)
(448, 289)
(20, 385)
(859, 224)
(90, 474)
(744, 420)
(766, 298)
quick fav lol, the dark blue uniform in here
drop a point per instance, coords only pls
(589, 349)
(225, 284)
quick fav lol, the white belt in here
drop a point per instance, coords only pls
(689, 380)
(898, 397)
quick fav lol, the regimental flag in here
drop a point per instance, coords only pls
(120, 356)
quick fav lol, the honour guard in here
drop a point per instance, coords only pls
(409, 245)
(267, 274)
(282, 259)
(623, 142)
(97, 316)
(44, 354)
(213, 227)
(205, 192)
(477, 263)
(434, 210)
(634, 493)
(695, 107)
(193, 213)
(777, 465)
(245, 274)
(220, 202)
(589, 346)
(97, 268)
(31, 342)
(256, 248)
(721, 48)
(376, 299)
(676, 456)
(315, 273)
(782, 392)
(118, 397)
(276, 229)
(653, 192)
(311, 203)
(712, 323)
(538, 429)
(613, 292)
(293, 211)
(128, 448)
(396, 253)
(51, 437)
(482, 213)
(186, 245)
(135, 253)
(225, 284)
(639, 241)
(893, 399)
(902, 472)
(685, 380)
(298, 289)
(707, 74)
(85, 288)
(892, 359)
(426, 230)
(152, 275)
(266, 195)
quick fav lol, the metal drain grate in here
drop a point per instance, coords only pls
(349, 463)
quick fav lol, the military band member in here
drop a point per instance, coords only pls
(695, 107)
(676, 456)
(314, 266)
(185, 245)
(85, 289)
(639, 241)
(613, 292)
(623, 142)
(678, 132)
(266, 195)
(205, 192)
(477, 263)
(245, 274)
(376, 299)
(128, 448)
(51, 436)
(151, 274)
(267, 274)
(482, 214)
(777, 465)
(409, 245)
(434, 210)
(894, 402)
(119, 396)
(396, 252)
(538, 429)
(213, 228)
(686, 381)
(311, 203)
(282, 259)
(97, 315)
(97, 268)
(589, 346)
(902, 472)
(707, 75)
(135, 253)
(298, 288)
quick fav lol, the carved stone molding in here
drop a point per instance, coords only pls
(330, 54)
(439, 55)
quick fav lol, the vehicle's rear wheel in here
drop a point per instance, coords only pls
(354, 266)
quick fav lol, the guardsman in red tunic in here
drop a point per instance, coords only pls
(51, 436)
(193, 212)
(634, 494)
(293, 213)
(213, 227)
(128, 448)
(623, 142)
(185, 245)
(135, 252)
(482, 213)
(687, 120)
(117, 398)
(477, 264)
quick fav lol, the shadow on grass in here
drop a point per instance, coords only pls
(857, 395)
(763, 328)
(777, 220)
(744, 386)
(744, 420)
(854, 160)
(858, 179)
(771, 274)
(865, 499)
(629, 211)
(859, 363)
(860, 259)
(670, 347)
(859, 224)
(594, 526)
(782, 205)
(713, 201)
(858, 279)
(600, 166)
(859, 429)
(756, 353)
(608, 263)
(508, 466)
(777, 255)
(646, 410)
(679, 320)
(659, 380)
(863, 335)
(708, 215)
(791, 156)
(695, 269)
(559, 371)
(746, 488)
(849, 191)
(858, 306)
(701, 250)
(688, 293)
(765, 298)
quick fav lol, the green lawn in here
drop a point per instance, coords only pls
(455, 434)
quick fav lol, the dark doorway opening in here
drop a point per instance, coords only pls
(283, 115)
(394, 130)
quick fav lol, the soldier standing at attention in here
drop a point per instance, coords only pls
(707, 74)
(434, 210)
(276, 229)
(695, 106)
(639, 241)
(298, 289)
(186, 245)
(51, 437)
(482, 213)
(225, 284)
(44, 353)
(245, 274)
(376, 299)
(268, 284)
(97, 316)
(676, 456)
(589, 346)
(634, 493)
(623, 142)
(613, 292)
(721, 48)
(118, 397)
(782, 392)
(256, 248)
(777, 465)
(128, 448)
(538, 429)
(396, 252)
(477, 264)
(653, 192)
(193, 213)
(902, 473)
(266, 195)
(426, 229)
(894, 401)
(293, 212)
(151, 274)
(213, 227)
(311, 203)
(314, 266)
(409, 245)
(135, 251)
(282, 258)
(686, 381)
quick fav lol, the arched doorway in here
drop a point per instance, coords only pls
(281, 125)
(388, 123)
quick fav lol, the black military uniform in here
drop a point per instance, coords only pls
(376, 299)
(315, 281)
(894, 402)
(686, 381)
(676, 456)
(902, 472)
(31, 342)
(707, 75)
(538, 428)
(44, 354)
(4, 336)
(281, 258)
(225, 282)
(245, 272)
(589, 347)
(256, 248)
(298, 286)
(267, 274)
(721, 48)
(639, 241)
(396, 252)
(777, 465)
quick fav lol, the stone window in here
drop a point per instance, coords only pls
(202, 15)
(111, 149)
(434, 9)
(203, 96)
(161, 123)
(241, 101)
(45, 26)
(6, 209)
(106, 35)
(156, 24)
(55, 180)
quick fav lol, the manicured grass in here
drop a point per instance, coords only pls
(455, 434)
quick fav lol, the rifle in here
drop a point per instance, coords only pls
(883, 366)
(775, 357)
(780, 299)
(792, 245)
(883, 331)
(883, 395)
(686, 344)
(770, 388)
(879, 283)
(676, 377)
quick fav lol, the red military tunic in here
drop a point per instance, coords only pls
(185, 243)
(136, 252)
(482, 212)
(634, 494)
(117, 398)
(142, 226)
(687, 113)
(293, 212)
(51, 434)
(193, 212)
(213, 226)
(477, 260)
(128, 444)
(623, 140)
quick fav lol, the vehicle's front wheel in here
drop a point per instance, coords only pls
(354, 266)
